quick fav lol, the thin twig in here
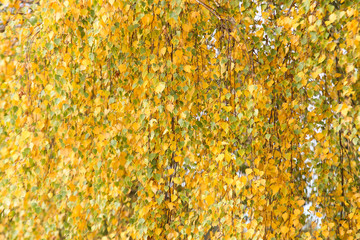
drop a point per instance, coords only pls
(210, 9)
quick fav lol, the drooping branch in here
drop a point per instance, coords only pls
(210, 9)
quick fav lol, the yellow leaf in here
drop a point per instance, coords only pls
(136, 126)
(72, 198)
(82, 224)
(284, 229)
(251, 88)
(160, 87)
(229, 181)
(177, 180)
(153, 187)
(178, 56)
(171, 171)
(349, 68)
(97, 111)
(322, 58)
(172, 235)
(332, 18)
(312, 19)
(225, 126)
(249, 234)
(220, 157)
(227, 156)
(171, 205)
(143, 211)
(270, 83)
(48, 88)
(187, 68)
(170, 107)
(331, 46)
(158, 231)
(166, 146)
(209, 199)
(316, 73)
(152, 122)
(122, 68)
(248, 171)
(16, 98)
(243, 179)
(234, 35)
(77, 211)
(146, 19)
(25, 134)
(173, 197)
(228, 108)
(318, 214)
(350, 12)
(345, 109)
(187, 27)
(163, 51)
(275, 188)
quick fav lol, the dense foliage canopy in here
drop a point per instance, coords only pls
(170, 119)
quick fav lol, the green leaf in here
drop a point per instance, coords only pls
(33, 20)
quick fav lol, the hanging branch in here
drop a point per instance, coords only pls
(210, 9)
